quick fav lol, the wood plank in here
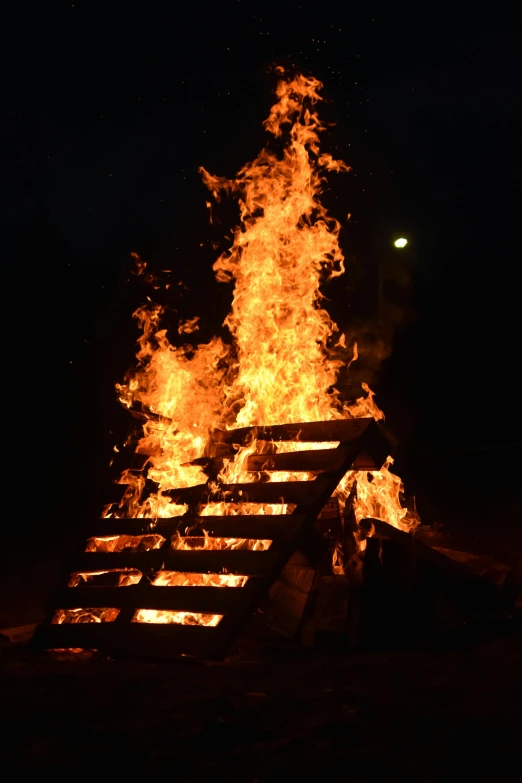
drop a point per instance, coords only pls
(482, 565)
(329, 522)
(275, 527)
(289, 596)
(318, 461)
(140, 639)
(207, 600)
(330, 510)
(215, 561)
(424, 552)
(345, 430)
(298, 492)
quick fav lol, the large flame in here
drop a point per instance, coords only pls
(286, 351)
(285, 354)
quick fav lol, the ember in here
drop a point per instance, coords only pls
(119, 577)
(177, 618)
(121, 543)
(175, 578)
(98, 615)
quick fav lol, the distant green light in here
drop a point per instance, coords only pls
(401, 242)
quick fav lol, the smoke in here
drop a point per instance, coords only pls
(379, 304)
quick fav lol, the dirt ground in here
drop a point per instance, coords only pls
(271, 714)
(410, 716)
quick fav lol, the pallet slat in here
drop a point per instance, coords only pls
(214, 561)
(140, 639)
(206, 600)
(297, 492)
(270, 526)
(344, 430)
(318, 461)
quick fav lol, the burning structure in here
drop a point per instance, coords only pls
(251, 476)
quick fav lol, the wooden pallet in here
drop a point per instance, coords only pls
(362, 446)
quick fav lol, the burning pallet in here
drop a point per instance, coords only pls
(134, 598)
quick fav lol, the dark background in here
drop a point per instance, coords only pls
(107, 112)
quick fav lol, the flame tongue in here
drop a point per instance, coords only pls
(287, 244)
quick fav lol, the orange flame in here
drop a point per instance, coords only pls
(281, 366)
(286, 351)
(181, 579)
(99, 615)
(214, 542)
(179, 618)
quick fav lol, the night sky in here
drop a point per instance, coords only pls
(107, 112)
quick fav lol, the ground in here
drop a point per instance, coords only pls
(265, 714)
(419, 716)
